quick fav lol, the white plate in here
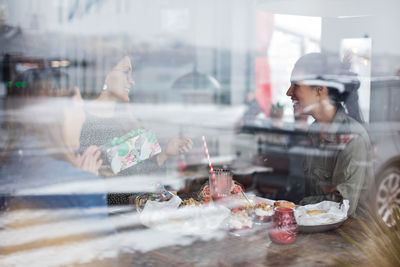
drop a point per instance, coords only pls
(321, 227)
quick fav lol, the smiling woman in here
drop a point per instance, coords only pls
(343, 169)
(118, 82)
(109, 117)
(314, 72)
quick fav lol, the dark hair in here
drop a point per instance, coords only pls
(330, 70)
(112, 60)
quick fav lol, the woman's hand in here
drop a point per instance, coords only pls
(176, 146)
(89, 160)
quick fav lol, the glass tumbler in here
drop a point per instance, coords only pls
(223, 183)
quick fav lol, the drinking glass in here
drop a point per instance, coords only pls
(223, 183)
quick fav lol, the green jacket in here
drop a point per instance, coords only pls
(339, 166)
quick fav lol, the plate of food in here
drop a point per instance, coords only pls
(186, 218)
(321, 217)
(263, 212)
(261, 209)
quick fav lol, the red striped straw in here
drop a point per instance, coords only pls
(210, 165)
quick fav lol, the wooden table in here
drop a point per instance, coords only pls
(256, 249)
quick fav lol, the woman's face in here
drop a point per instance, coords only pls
(304, 97)
(119, 81)
(74, 117)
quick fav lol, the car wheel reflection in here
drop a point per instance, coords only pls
(388, 194)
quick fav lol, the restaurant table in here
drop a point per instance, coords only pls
(252, 249)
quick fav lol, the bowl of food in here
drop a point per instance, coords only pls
(263, 212)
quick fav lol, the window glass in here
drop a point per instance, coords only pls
(196, 132)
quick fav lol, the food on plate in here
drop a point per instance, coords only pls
(315, 212)
(191, 202)
(284, 204)
(263, 206)
(240, 221)
(263, 212)
(323, 216)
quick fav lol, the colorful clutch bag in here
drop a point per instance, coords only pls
(131, 149)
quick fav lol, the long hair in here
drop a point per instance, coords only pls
(34, 107)
(342, 84)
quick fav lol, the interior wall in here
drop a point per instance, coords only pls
(381, 29)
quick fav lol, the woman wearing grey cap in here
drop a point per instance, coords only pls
(338, 165)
